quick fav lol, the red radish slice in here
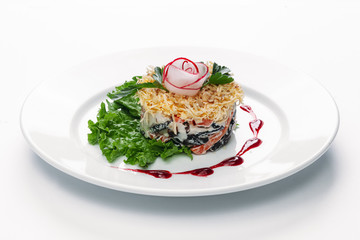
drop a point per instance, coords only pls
(182, 91)
(183, 76)
(179, 62)
(184, 63)
(179, 77)
(203, 73)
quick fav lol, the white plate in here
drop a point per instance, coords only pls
(301, 120)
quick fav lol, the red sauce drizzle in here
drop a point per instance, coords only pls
(255, 126)
(155, 173)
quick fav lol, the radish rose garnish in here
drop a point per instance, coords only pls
(184, 77)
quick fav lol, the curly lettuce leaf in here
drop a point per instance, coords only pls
(117, 131)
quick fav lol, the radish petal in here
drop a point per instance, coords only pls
(182, 76)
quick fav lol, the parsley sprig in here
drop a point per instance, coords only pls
(220, 75)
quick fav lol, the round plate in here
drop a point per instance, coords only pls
(300, 121)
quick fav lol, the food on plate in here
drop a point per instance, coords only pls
(184, 107)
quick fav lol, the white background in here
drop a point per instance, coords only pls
(39, 39)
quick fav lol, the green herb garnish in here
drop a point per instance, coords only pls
(220, 75)
(158, 75)
(131, 87)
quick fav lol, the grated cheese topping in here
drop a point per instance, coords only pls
(213, 102)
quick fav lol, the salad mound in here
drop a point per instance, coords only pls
(181, 108)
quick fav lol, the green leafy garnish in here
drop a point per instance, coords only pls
(131, 87)
(220, 75)
(158, 75)
(221, 69)
(117, 130)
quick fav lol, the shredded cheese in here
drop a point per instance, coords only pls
(213, 102)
